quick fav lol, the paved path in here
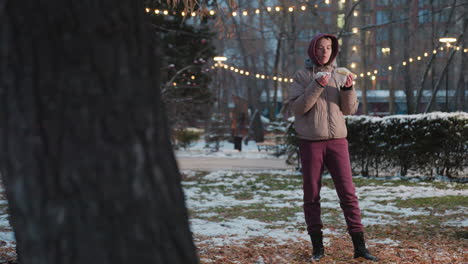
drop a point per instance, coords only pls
(213, 164)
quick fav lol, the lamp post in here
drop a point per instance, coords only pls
(221, 82)
(447, 41)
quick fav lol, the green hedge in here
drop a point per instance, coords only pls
(425, 144)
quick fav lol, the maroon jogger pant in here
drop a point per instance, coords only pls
(334, 154)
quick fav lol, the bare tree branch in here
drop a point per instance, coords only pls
(437, 87)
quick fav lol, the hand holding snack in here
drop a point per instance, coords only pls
(345, 71)
(345, 76)
(322, 78)
(349, 80)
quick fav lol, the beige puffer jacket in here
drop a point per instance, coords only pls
(319, 112)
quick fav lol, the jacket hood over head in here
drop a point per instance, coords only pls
(314, 41)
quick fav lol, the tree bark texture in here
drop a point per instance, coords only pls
(85, 153)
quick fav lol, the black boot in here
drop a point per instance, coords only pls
(360, 249)
(317, 243)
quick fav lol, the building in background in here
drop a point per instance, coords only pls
(389, 44)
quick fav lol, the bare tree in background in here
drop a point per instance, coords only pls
(86, 160)
(391, 74)
(462, 86)
(430, 68)
(407, 84)
(364, 56)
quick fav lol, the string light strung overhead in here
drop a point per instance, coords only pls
(247, 73)
(256, 11)
(372, 74)
(291, 9)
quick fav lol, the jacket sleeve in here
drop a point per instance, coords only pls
(348, 101)
(303, 93)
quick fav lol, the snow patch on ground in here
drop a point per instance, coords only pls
(386, 241)
(226, 150)
(377, 205)
(239, 229)
(8, 236)
(457, 222)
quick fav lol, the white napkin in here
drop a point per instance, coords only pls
(320, 74)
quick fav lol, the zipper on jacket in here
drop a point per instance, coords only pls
(328, 112)
(330, 136)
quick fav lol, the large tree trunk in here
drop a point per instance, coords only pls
(86, 159)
